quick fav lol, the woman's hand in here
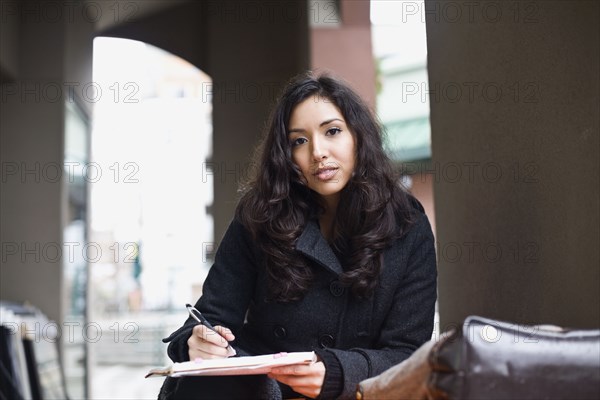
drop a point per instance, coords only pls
(205, 343)
(304, 379)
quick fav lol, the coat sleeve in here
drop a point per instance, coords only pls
(407, 326)
(226, 292)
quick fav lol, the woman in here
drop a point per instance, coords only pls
(326, 252)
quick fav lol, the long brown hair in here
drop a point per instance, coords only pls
(275, 207)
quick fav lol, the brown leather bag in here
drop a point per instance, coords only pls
(407, 380)
(490, 359)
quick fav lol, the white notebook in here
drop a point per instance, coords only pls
(251, 365)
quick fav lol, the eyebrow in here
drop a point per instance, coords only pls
(320, 125)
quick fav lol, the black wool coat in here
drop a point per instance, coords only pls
(356, 338)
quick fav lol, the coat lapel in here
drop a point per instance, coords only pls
(312, 244)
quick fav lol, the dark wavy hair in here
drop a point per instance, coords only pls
(275, 206)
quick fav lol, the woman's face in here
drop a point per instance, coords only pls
(322, 146)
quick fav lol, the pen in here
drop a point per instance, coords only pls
(197, 315)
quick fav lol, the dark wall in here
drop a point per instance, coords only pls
(49, 54)
(515, 128)
(252, 52)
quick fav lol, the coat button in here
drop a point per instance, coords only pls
(326, 341)
(279, 332)
(336, 288)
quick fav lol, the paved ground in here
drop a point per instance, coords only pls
(122, 382)
(130, 345)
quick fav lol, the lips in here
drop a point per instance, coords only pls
(325, 173)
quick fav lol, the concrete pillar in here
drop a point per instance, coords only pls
(515, 141)
(253, 50)
(31, 147)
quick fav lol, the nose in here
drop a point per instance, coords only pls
(319, 150)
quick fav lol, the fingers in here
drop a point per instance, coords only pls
(206, 343)
(225, 332)
(304, 379)
(292, 370)
(317, 368)
(199, 353)
(219, 338)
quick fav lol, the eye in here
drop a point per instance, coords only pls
(333, 131)
(298, 141)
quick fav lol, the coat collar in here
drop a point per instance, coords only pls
(312, 244)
